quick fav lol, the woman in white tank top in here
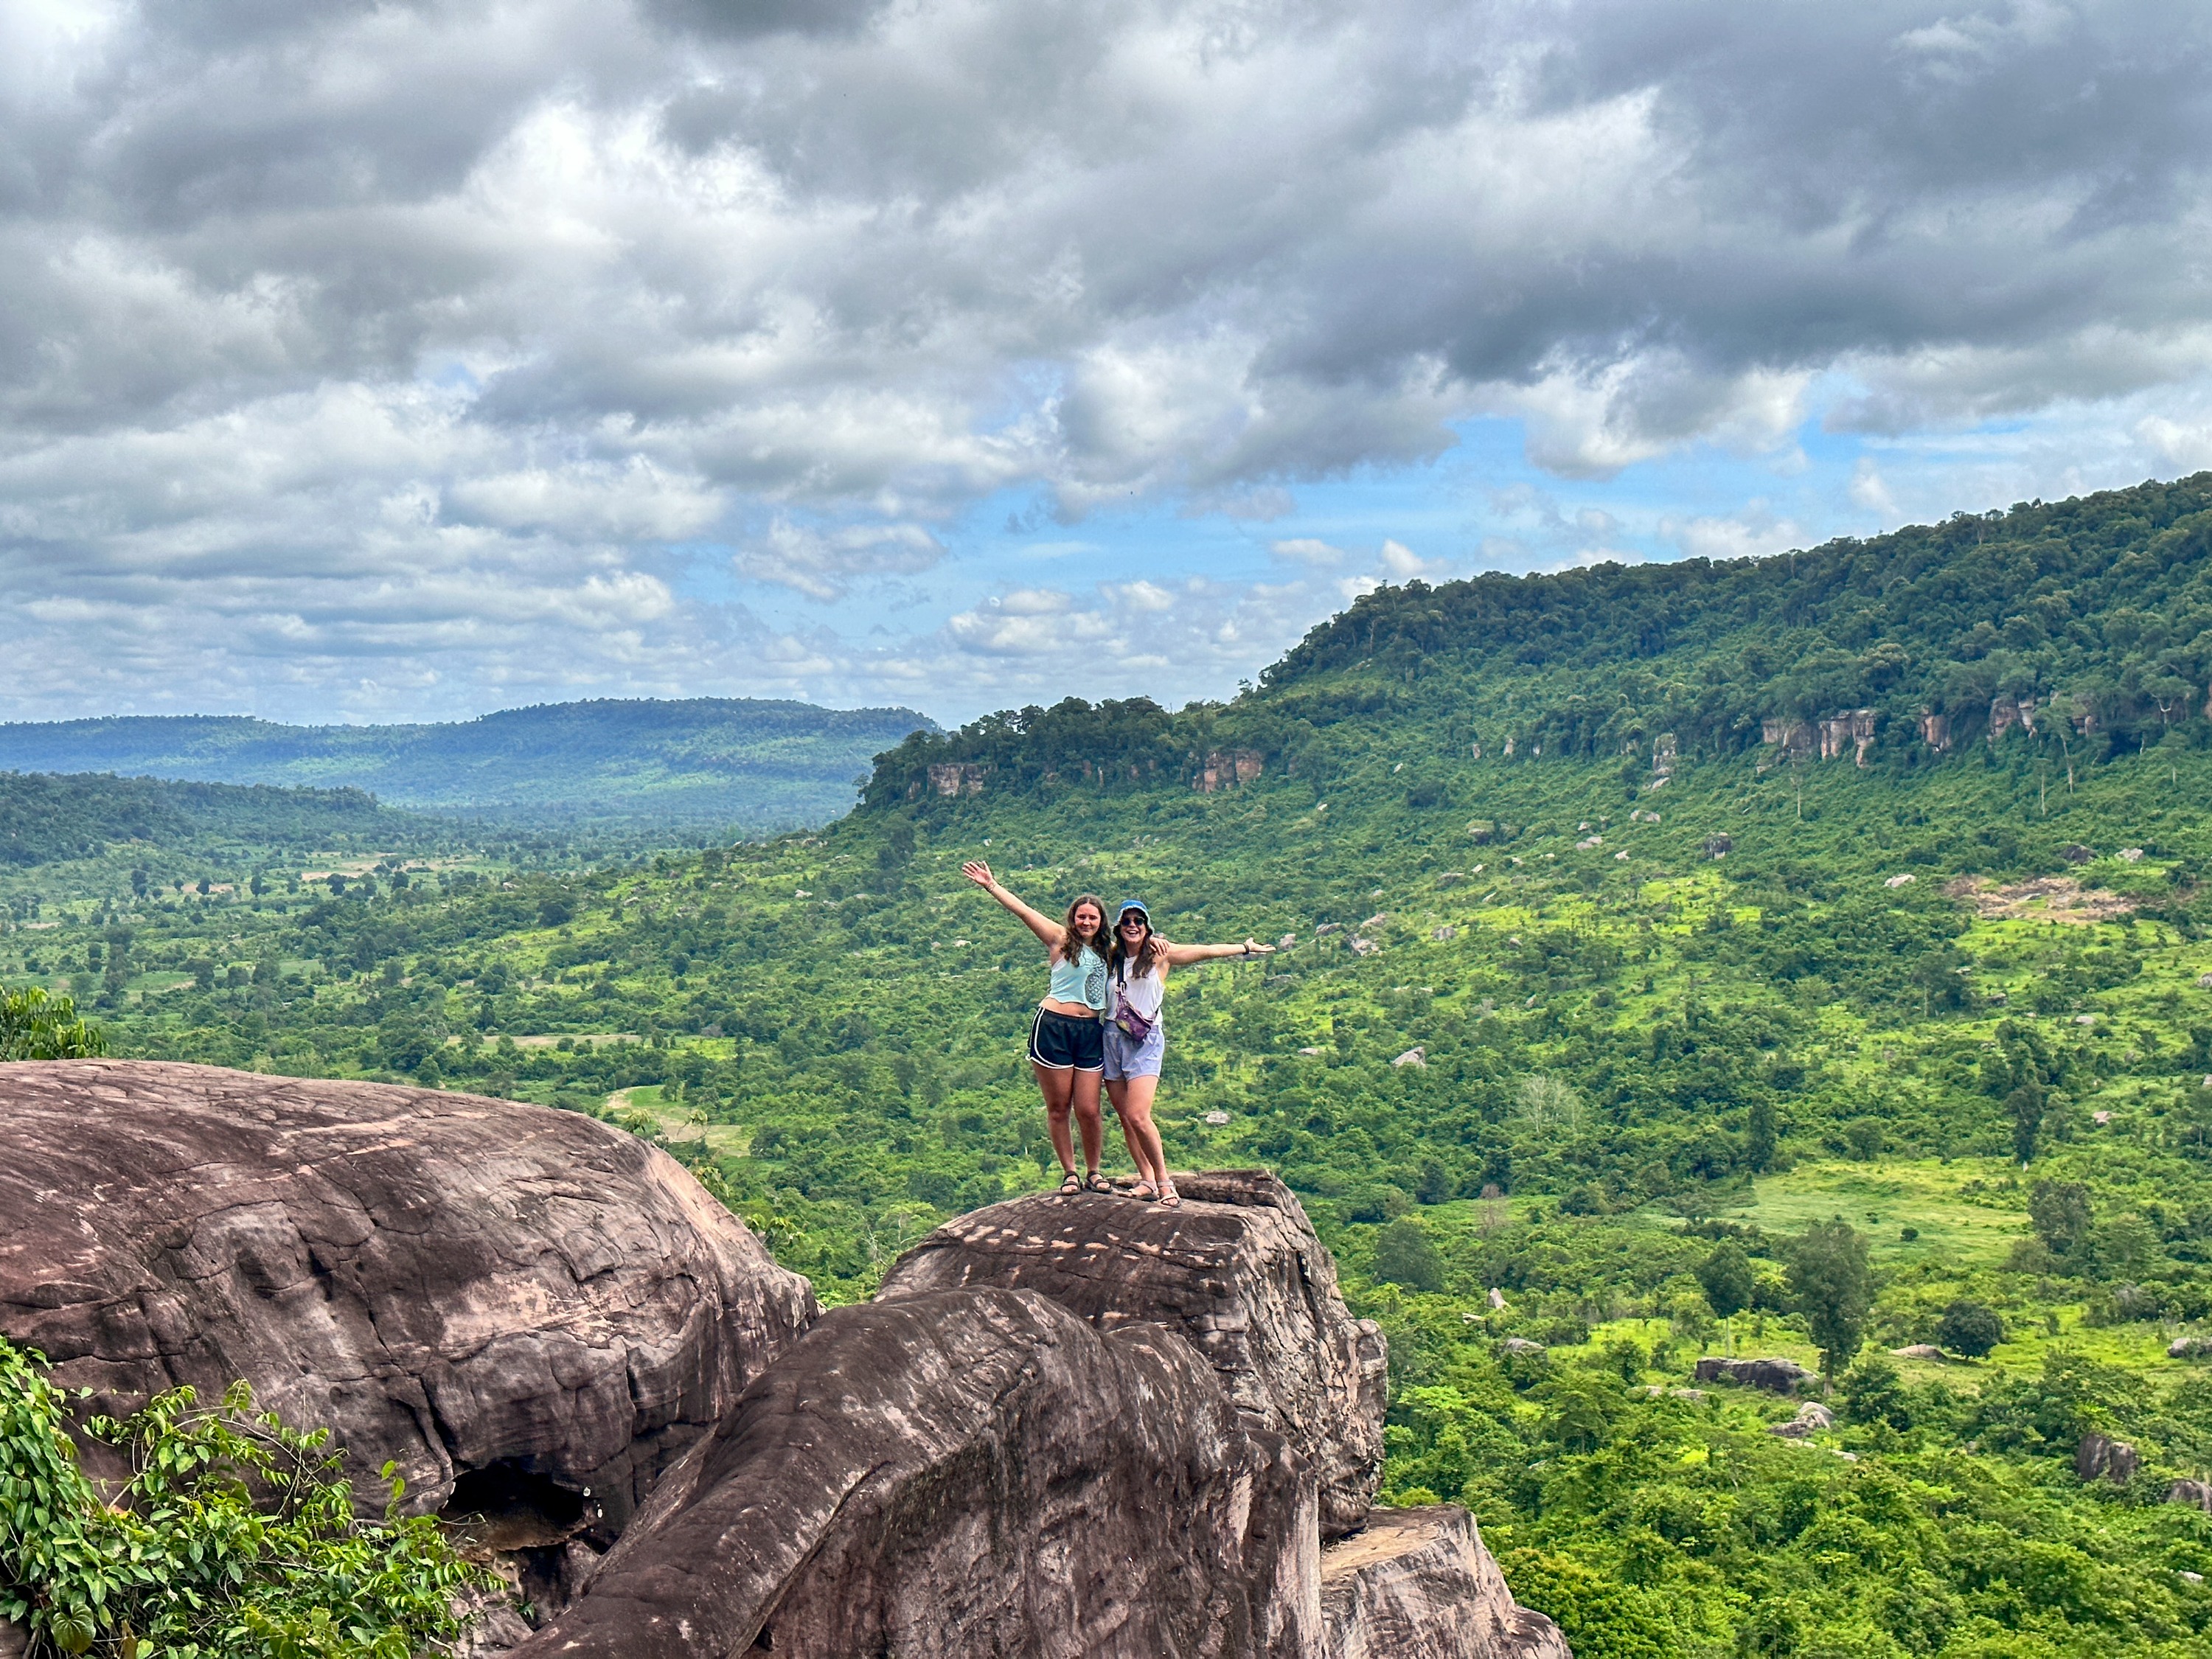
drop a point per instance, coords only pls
(1136, 1036)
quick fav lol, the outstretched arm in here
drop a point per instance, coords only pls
(1037, 922)
(1181, 955)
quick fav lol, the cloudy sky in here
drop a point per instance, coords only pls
(376, 361)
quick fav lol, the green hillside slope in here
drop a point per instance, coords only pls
(1588, 1060)
(755, 766)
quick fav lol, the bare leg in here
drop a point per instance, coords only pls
(1057, 1087)
(1083, 1098)
(1132, 1103)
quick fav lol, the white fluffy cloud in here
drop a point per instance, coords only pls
(370, 359)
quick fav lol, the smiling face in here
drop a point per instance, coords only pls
(1134, 926)
(1088, 919)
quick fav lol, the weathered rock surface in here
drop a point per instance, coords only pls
(1776, 1376)
(1418, 1584)
(2197, 1494)
(494, 1295)
(1811, 1418)
(1237, 1269)
(962, 1474)
(2100, 1457)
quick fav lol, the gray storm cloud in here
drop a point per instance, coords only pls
(394, 353)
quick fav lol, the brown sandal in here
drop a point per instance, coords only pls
(1095, 1183)
(1070, 1184)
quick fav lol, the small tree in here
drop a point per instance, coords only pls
(1833, 1285)
(1969, 1328)
(35, 1026)
(2059, 1212)
(1760, 1136)
(2024, 1105)
(1403, 1255)
(1725, 1278)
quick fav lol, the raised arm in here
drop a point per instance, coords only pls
(1037, 922)
(1180, 956)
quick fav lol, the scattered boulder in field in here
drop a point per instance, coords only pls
(2189, 1347)
(1719, 845)
(1776, 1376)
(1920, 1351)
(1519, 1344)
(509, 1301)
(1811, 1418)
(968, 1472)
(1236, 1267)
(1418, 1584)
(2100, 1457)
(2077, 853)
(1416, 1056)
(2197, 1494)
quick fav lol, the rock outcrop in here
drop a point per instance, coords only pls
(2100, 1457)
(1085, 1426)
(1237, 1269)
(1418, 1584)
(531, 1312)
(965, 1475)
(1776, 1376)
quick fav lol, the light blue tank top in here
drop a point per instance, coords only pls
(1083, 980)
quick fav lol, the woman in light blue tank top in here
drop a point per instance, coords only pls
(1066, 1043)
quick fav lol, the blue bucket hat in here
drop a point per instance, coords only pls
(1127, 905)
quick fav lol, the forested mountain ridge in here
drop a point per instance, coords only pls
(758, 766)
(46, 819)
(2092, 617)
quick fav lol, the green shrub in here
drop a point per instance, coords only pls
(235, 1536)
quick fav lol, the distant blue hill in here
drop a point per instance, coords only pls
(757, 766)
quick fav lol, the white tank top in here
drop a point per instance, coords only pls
(1142, 992)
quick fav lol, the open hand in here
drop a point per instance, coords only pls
(1253, 948)
(979, 872)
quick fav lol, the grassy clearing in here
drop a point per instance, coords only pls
(1884, 1198)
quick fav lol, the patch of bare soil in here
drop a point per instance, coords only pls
(2047, 898)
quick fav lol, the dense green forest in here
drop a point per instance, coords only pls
(1588, 1060)
(739, 764)
(47, 819)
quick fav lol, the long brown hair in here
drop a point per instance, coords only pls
(1071, 942)
(1148, 953)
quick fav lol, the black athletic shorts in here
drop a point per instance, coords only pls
(1061, 1041)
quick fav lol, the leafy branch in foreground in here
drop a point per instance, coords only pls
(234, 1538)
(34, 1026)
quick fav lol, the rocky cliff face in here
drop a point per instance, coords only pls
(524, 1304)
(961, 1475)
(1418, 1584)
(1236, 1269)
(1067, 1426)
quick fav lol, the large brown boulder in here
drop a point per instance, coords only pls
(523, 1302)
(967, 1474)
(1237, 1269)
(1418, 1584)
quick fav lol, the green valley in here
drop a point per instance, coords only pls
(1809, 956)
(598, 767)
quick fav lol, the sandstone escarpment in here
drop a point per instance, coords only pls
(963, 1474)
(521, 1303)
(1237, 1269)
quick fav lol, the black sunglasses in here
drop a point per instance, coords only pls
(1135, 921)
